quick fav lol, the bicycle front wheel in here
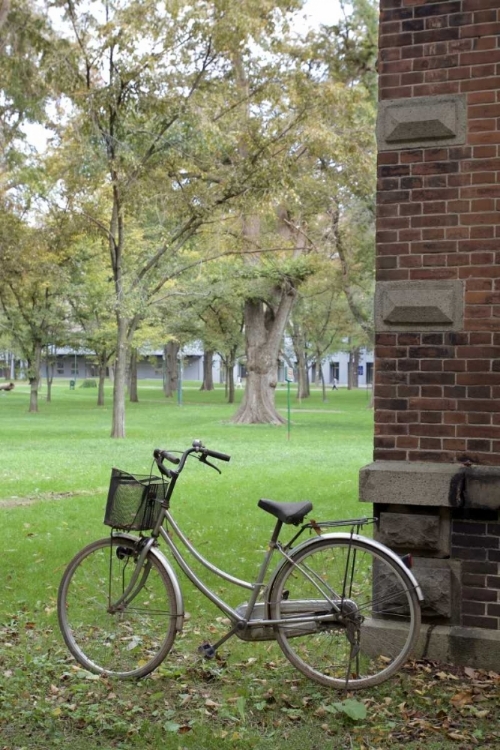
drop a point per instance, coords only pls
(127, 639)
(363, 608)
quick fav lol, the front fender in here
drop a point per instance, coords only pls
(346, 537)
(162, 560)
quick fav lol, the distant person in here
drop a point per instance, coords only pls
(335, 384)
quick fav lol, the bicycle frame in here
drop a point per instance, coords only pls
(247, 622)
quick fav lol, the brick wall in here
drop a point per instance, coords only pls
(437, 395)
(475, 542)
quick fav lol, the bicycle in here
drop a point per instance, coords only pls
(344, 608)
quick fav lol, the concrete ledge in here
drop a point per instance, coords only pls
(407, 483)
(427, 484)
(466, 647)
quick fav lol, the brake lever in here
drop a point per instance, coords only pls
(204, 460)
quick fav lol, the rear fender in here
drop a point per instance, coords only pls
(345, 537)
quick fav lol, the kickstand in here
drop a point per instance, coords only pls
(208, 651)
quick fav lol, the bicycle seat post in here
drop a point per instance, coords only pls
(275, 535)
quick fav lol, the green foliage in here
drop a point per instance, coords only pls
(174, 129)
(26, 44)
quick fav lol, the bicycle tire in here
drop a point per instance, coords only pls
(380, 613)
(129, 643)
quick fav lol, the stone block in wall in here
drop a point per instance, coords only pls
(419, 306)
(422, 121)
(440, 584)
(407, 531)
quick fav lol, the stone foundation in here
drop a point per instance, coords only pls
(447, 516)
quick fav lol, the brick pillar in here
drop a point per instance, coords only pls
(435, 480)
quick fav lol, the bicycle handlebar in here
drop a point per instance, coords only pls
(166, 456)
(197, 447)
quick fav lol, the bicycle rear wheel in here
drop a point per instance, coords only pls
(369, 608)
(132, 640)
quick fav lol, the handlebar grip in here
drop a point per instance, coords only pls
(216, 454)
(165, 455)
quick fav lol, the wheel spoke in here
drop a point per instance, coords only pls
(376, 621)
(131, 640)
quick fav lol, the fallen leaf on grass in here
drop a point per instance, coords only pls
(209, 703)
(457, 736)
(462, 699)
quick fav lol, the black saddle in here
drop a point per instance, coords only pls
(286, 512)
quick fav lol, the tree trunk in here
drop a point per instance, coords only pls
(264, 328)
(133, 395)
(299, 348)
(171, 371)
(102, 378)
(119, 384)
(322, 378)
(49, 374)
(230, 364)
(208, 378)
(4, 11)
(353, 379)
(34, 364)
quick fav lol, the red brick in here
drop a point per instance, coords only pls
(478, 365)
(480, 84)
(411, 157)
(481, 97)
(481, 232)
(479, 418)
(406, 441)
(480, 30)
(430, 365)
(452, 417)
(479, 57)
(380, 454)
(433, 274)
(482, 126)
(481, 191)
(436, 404)
(434, 89)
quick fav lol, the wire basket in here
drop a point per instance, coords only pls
(134, 501)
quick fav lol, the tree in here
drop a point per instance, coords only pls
(150, 105)
(89, 296)
(28, 51)
(176, 119)
(29, 294)
(266, 314)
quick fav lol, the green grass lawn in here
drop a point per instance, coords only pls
(54, 473)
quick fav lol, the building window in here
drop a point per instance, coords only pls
(334, 371)
(60, 366)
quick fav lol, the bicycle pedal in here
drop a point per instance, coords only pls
(207, 650)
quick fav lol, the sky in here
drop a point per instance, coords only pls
(322, 11)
